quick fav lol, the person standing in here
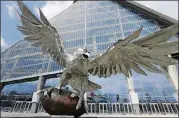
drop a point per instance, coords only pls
(117, 97)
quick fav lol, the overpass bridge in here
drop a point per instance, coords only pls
(30, 78)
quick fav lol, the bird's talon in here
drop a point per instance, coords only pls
(58, 87)
(78, 104)
(77, 107)
(39, 91)
(45, 93)
(73, 95)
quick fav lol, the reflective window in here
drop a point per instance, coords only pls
(54, 67)
(51, 82)
(95, 25)
(74, 43)
(102, 23)
(103, 46)
(128, 13)
(89, 41)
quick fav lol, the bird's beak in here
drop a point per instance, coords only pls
(87, 53)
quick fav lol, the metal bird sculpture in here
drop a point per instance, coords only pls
(148, 52)
(175, 55)
(74, 1)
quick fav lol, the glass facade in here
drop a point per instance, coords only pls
(95, 25)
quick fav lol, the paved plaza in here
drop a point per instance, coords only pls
(45, 115)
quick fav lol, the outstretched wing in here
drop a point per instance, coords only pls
(42, 34)
(147, 52)
(74, 1)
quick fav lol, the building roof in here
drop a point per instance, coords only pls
(145, 10)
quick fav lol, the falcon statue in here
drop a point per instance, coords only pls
(150, 52)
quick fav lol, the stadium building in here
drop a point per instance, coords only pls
(95, 25)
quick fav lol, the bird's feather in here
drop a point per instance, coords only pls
(148, 52)
(42, 34)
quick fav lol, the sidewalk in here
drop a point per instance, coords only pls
(45, 115)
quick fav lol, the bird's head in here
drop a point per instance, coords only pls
(82, 51)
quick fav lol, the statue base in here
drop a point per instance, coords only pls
(59, 102)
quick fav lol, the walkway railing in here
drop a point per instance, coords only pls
(21, 106)
(128, 108)
(112, 108)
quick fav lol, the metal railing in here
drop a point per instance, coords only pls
(40, 108)
(112, 108)
(155, 108)
(21, 106)
(128, 108)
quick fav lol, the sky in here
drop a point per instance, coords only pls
(9, 19)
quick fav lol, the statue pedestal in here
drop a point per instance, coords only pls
(60, 102)
(135, 102)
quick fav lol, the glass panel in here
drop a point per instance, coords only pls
(20, 91)
(97, 28)
(51, 82)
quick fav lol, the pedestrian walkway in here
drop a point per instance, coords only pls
(45, 115)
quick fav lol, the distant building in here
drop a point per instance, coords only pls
(95, 25)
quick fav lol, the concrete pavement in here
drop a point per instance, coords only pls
(45, 115)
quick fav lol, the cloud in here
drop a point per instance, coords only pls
(36, 9)
(169, 8)
(4, 45)
(52, 8)
(10, 9)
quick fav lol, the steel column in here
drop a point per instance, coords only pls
(133, 95)
(35, 97)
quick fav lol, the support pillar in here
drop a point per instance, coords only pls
(36, 97)
(85, 102)
(173, 75)
(133, 96)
